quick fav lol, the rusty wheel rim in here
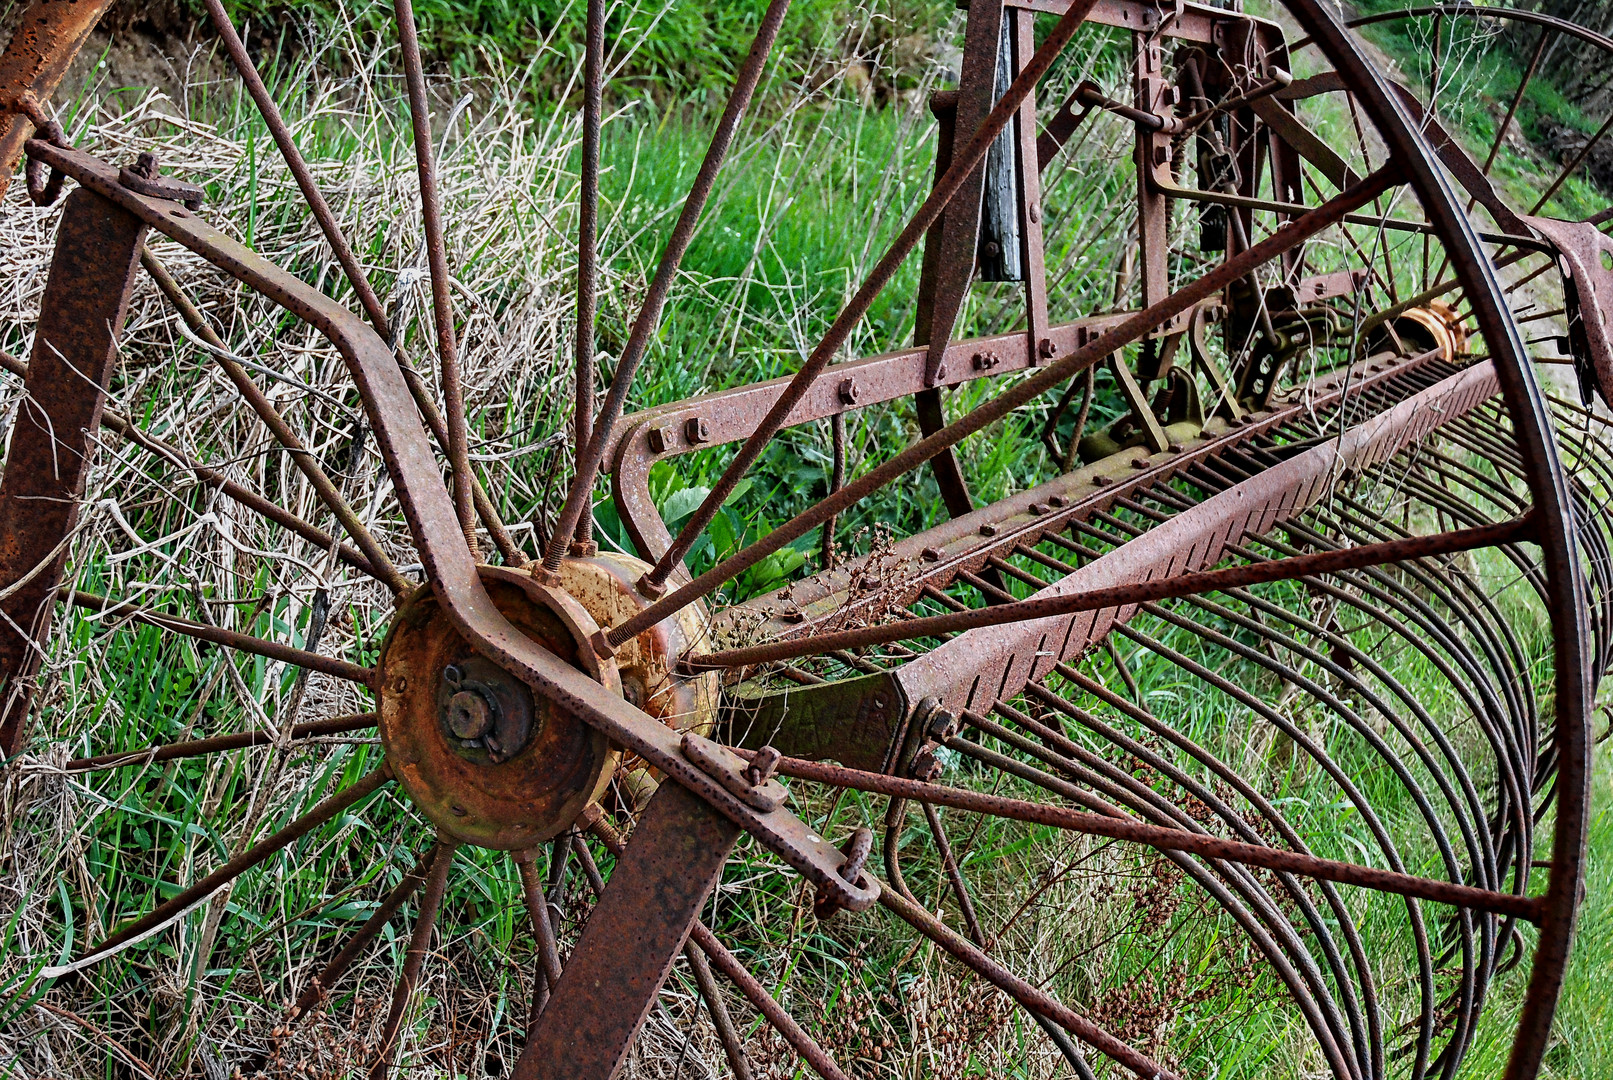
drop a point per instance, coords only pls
(584, 650)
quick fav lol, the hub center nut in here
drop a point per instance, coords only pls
(485, 712)
(470, 715)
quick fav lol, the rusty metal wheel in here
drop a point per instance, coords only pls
(1222, 744)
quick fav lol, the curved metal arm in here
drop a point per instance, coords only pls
(434, 526)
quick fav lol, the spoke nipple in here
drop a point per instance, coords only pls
(601, 645)
(544, 576)
(583, 549)
(649, 588)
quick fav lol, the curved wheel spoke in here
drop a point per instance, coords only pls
(339, 725)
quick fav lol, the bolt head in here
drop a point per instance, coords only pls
(925, 765)
(850, 393)
(931, 554)
(659, 439)
(1047, 349)
(696, 430)
(470, 715)
(988, 529)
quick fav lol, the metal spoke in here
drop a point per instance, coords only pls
(260, 403)
(313, 729)
(1129, 330)
(232, 639)
(322, 984)
(1032, 998)
(453, 390)
(1568, 170)
(344, 255)
(162, 914)
(1517, 99)
(963, 166)
(1444, 892)
(419, 942)
(580, 496)
(537, 909)
(588, 248)
(1120, 596)
(115, 421)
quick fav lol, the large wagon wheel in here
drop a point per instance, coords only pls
(527, 701)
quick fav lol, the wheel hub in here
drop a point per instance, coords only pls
(495, 765)
(486, 709)
(488, 761)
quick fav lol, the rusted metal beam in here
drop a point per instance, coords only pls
(75, 350)
(979, 666)
(610, 983)
(1118, 597)
(1131, 329)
